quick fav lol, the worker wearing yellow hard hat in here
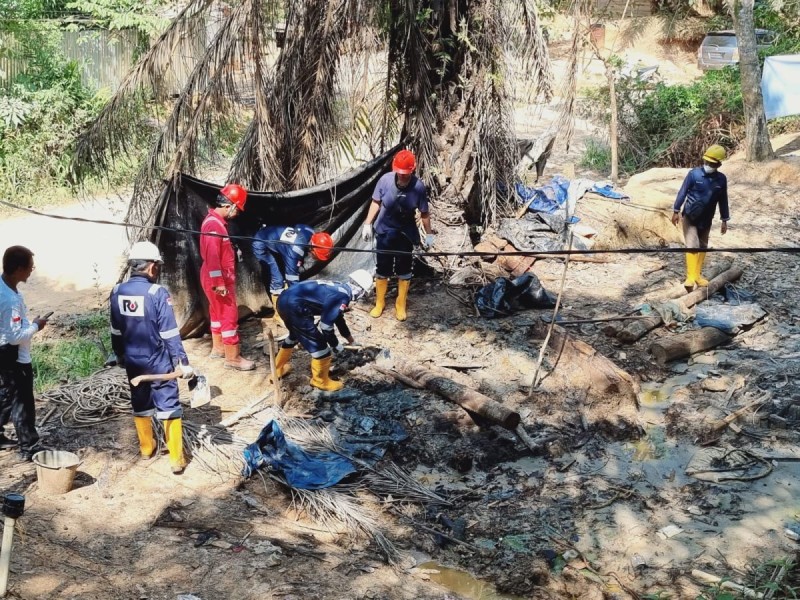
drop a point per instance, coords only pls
(702, 191)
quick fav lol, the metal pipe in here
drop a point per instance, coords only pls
(13, 507)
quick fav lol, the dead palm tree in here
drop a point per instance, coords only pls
(445, 91)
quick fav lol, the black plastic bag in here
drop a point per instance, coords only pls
(504, 296)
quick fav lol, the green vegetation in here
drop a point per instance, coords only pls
(69, 359)
(43, 110)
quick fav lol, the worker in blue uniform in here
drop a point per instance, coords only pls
(146, 340)
(281, 251)
(328, 300)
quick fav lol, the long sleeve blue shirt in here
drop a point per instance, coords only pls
(706, 191)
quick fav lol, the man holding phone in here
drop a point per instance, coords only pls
(16, 372)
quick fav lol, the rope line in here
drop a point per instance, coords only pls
(538, 253)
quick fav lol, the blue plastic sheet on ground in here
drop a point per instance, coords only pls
(735, 295)
(547, 198)
(608, 191)
(302, 470)
(729, 318)
(552, 197)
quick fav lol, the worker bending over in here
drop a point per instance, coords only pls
(146, 340)
(397, 197)
(218, 277)
(281, 251)
(327, 300)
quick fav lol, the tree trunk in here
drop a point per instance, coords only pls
(607, 395)
(759, 147)
(612, 90)
(682, 345)
(470, 400)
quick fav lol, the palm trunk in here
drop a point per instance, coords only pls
(759, 147)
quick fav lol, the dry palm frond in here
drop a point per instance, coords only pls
(336, 509)
(495, 148)
(528, 43)
(113, 129)
(204, 101)
(411, 80)
(569, 86)
(391, 480)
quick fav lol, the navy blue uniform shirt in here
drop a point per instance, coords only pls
(707, 190)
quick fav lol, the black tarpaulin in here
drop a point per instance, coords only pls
(338, 207)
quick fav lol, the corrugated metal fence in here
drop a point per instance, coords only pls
(105, 57)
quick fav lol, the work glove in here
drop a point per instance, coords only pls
(366, 232)
(338, 348)
(429, 239)
(186, 371)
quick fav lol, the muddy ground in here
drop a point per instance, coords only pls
(578, 518)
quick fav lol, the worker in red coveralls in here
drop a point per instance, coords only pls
(218, 277)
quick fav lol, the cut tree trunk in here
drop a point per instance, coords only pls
(685, 344)
(470, 400)
(638, 329)
(608, 396)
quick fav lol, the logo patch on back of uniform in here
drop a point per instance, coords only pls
(131, 306)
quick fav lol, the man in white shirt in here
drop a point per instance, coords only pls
(16, 371)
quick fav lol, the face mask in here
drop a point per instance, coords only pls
(709, 169)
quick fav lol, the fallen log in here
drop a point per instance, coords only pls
(638, 329)
(681, 345)
(470, 400)
(608, 395)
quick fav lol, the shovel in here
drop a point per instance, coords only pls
(198, 385)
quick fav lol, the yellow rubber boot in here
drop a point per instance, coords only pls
(282, 365)
(698, 270)
(276, 317)
(173, 432)
(381, 285)
(402, 298)
(217, 349)
(320, 375)
(690, 262)
(144, 430)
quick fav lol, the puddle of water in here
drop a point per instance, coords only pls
(651, 447)
(464, 584)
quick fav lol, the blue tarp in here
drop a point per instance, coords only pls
(302, 470)
(550, 198)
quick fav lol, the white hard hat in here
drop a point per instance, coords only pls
(363, 279)
(145, 251)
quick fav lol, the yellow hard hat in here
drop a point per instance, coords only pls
(715, 153)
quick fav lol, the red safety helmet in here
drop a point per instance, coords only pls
(236, 194)
(404, 162)
(322, 246)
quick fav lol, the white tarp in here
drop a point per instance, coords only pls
(780, 85)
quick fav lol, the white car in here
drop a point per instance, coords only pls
(720, 48)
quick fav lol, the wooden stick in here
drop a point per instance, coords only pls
(157, 377)
(413, 383)
(47, 416)
(276, 382)
(598, 320)
(728, 585)
(722, 423)
(248, 410)
(524, 208)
